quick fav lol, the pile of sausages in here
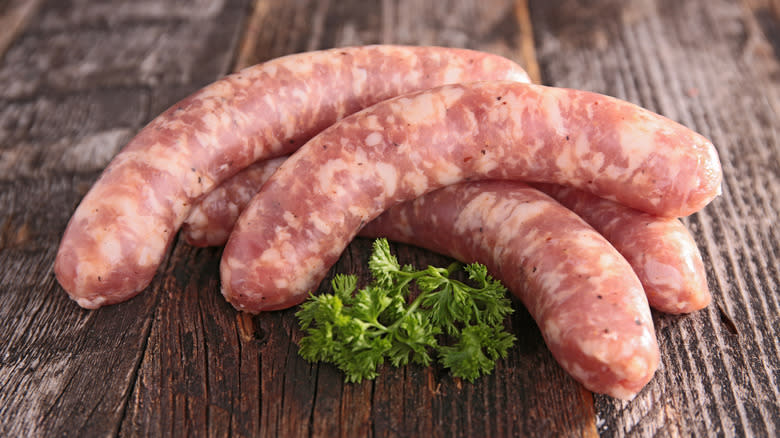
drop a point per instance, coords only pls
(570, 198)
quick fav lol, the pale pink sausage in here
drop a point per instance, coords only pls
(314, 204)
(586, 299)
(120, 232)
(661, 250)
(212, 218)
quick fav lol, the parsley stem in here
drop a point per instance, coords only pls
(412, 308)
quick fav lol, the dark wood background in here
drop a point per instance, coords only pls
(79, 77)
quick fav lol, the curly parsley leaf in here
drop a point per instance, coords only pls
(476, 351)
(359, 331)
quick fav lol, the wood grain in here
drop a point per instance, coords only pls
(63, 370)
(686, 60)
(14, 15)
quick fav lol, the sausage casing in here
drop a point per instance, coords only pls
(315, 203)
(123, 227)
(585, 297)
(661, 250)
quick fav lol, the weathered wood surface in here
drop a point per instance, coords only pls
(84, 75)
(704, 64)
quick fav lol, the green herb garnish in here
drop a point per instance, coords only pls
(359, 330)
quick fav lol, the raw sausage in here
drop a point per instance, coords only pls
(586, 299)
(661, 250)
(120, 232)
(315, 203)
(212, 218)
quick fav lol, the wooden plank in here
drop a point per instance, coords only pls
(64, 370)
(179, 361)
(686, 60)
(14, 16)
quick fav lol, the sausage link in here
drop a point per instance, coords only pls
(586, 299)
(123, 227)
(212, 218)
(314, 204)
(661, 250)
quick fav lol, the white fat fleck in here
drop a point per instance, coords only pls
(291, 221)
(150, 251)
(321, 225)
(358, 211)
(214, 122)
(449, 95)
(371, 121)
(448, 173)
(91, 303)
(389, 176)
(552, 331)
(361, 156)
(373, 139)
(477, 211)
(647, 339)
(412, 76)
(639, 302)
(127, 206)
(689, 254)
(270, 256)
(270, 100)
(576, 370)
(519, 76)
(300, 281)
(609, 260)
(281, 283)
(419, 109)
(197, 218)
(418, 182)
(359, 77)
(582, 149)
(638, 143)
(168, 159)
(299, 67)
(110, 249)
(453, 75)
(662, 274)
(327, 171)
(521, 212)
(551, 281)
(534, 148)
(567, 163)
(300, 94)
(550, 103)
(427, 108)
(595, 347)
(486, 165)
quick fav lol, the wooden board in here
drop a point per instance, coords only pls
(694, 62)
(82, 76)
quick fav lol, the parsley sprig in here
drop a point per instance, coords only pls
(384, 321)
